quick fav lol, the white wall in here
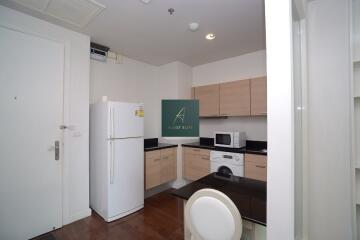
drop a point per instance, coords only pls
(131, 81)
(329, 120)
(246, 66)
(176, 79)
(76, 108)
(185, 77)
(135, 81)
(255, 127)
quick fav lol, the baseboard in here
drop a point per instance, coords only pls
(158, 189)
(179, 183)
(79, 215)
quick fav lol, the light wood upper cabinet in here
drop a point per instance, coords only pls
(208, 97)
(196, 163)
(239, 98)
(258, 96)
(235, 98)
(256, 166)
(160, 167)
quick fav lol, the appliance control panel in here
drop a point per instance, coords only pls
(231, 158)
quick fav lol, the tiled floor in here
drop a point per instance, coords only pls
(161, 218)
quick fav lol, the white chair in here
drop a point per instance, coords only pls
(211, 215)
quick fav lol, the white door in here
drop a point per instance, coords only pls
(127, 120)
(126, 189)
(31, 83)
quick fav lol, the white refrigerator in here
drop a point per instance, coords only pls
(116, 159)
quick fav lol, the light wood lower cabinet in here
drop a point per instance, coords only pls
(256, 166)
(152, 169)
(196, 163)
(168, 165)
(160, 167)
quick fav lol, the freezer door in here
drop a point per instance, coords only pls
(126, 120)
(126, 176)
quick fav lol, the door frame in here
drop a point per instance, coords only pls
(280, 119)
(64, 136)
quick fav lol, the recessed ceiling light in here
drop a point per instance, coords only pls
(194, 26)
(146, 1)
(210, 36)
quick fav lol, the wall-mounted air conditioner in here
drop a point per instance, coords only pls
(98, 52)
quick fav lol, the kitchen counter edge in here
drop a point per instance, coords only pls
(160, 146)
(234, 150)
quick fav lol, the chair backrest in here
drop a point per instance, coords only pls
(211, 215)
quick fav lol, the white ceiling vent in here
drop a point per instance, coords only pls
(75, 12)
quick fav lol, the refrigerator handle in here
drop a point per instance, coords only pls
(113, 123)
(112, 152)
(112, 127)
(110, 124)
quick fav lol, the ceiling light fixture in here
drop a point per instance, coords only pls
(210, 36)
(193, 26)
(171, 11)
(146, 1)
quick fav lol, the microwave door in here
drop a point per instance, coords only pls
(223, 140)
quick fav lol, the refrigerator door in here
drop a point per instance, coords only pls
(126, 120)
(126, 177)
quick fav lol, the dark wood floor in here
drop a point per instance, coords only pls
(161, 218)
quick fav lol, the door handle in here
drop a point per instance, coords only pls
(57, 150)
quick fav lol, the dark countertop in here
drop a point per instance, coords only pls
(248, 195)
(248, 149)
(159, 146)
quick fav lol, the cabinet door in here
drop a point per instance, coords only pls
(235, 98)
(258, 96)
(196, 163)
(256, 166)
(196, 151)
(168, 165)
(208, 97)
(152, 169)
(196, 166)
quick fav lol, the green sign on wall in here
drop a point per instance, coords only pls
(180, 118)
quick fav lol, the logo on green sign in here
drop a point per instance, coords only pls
(180, 118)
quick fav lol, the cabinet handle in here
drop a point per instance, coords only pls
(205, 158)
(165, 157)
(258, 166)
(156, 159)
(196, 150)
(57, 150)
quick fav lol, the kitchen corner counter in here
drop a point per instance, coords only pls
(159, 146)
(249, 149)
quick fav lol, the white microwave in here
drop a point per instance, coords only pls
(230, 139)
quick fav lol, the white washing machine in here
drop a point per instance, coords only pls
(227, 163)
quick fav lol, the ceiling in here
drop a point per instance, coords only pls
(148, 33)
